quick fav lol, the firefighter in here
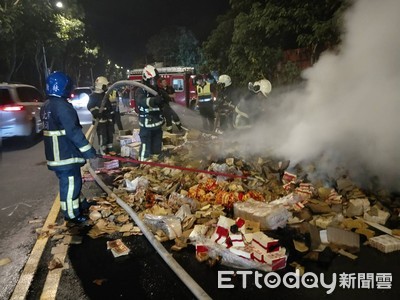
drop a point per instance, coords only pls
(114, 100)
(224, 105)
(150, 115)
(168, 93)
(105, 126)
(66, 147)
(250, 108)
(205, 103)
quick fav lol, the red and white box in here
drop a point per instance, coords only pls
(220, 235)
(200, 249)
(258, 256)
(264, 243)
(288, 177)
(240, 222)
(277, 260)
(225, 222)
(237, 240)
(303, 193)
(112, 164)
(244, 252)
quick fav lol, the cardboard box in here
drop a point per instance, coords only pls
(130, 150)
(270, 217)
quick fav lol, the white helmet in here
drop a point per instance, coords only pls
(225, 80)
(149, 72)
(100, 85)
(263, 86)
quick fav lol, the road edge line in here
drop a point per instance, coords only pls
(22, 287)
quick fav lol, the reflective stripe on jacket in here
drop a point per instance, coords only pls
(94, 104)
(150, 115)
(64, 142)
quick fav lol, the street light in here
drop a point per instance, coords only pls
(59, 4)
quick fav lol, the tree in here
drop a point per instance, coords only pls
(19, 42)
(249, 40)
(28, 28)
(174, 46)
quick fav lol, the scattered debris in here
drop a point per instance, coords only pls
(385, 243)
(118, 248)
(99, 282)
(55, 263)
(4, 261)
(236, 212)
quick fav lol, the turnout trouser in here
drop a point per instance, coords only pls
(105, 133)
(70, 182)
(171, 117)
(151, 142)
(207, 114)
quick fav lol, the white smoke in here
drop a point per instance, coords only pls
(349, 112)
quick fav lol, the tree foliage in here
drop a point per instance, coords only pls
(174, 46)
(34, 32)
(250, 38)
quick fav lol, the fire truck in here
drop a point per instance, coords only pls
(180, 78)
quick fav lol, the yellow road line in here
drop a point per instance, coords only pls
(25, 280)
(50, 288)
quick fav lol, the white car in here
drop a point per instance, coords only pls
(80, 97)
(20, 111)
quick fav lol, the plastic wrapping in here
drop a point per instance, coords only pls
(223, 168)
(183, 212)
(176, 200)
(170, 225)
(138, 182)
(269, 216)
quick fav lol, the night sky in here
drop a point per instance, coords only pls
(122, 27)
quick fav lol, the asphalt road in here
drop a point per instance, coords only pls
(28, 190)
(93, 272)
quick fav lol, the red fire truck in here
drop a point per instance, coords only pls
(180, 78)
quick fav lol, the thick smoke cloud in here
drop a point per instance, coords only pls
(348, 114)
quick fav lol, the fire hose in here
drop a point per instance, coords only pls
(157, 164)
(191, 284)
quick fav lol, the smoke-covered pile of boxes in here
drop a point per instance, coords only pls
(255, 219)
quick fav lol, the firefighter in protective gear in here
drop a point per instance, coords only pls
(104, 113)
(168, 92)
(205, 102)
(250, 108)
(66, 147)
(224, 105)
(114, 100)
(150, 113)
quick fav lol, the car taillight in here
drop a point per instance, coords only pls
(12, 108)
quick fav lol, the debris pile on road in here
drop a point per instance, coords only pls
(244, 212)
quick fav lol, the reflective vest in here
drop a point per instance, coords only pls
(204, 92)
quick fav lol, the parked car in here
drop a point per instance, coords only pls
(20, 111)
(80, 97)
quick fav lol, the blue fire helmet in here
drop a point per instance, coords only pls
(59, 84)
